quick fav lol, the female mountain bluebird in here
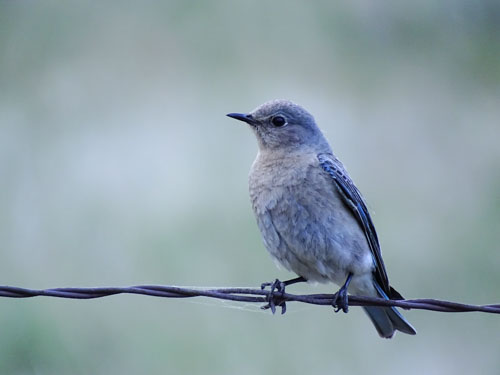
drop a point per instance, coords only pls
(312, 217)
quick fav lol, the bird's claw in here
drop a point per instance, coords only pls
(272, 298)
(340, 301)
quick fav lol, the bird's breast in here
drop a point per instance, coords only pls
(272, 177)
(304, 222)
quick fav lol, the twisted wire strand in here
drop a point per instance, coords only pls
(241, 295)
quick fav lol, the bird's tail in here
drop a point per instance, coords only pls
(387, 320)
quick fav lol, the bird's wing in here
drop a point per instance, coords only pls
(355, 201)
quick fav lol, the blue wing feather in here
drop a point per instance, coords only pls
(354, 200)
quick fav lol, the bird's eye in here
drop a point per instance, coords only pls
(278, 121)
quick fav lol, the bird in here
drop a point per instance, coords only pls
(312, 217)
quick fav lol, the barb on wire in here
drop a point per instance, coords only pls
(241, 295)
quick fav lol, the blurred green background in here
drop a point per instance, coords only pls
(119, 167)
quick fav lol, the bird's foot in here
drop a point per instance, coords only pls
(274, 299)
(340, 300)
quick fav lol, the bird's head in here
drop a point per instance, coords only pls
(281, 124)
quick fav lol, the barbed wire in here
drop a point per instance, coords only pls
(243, 295)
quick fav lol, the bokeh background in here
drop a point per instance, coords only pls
(119, 167)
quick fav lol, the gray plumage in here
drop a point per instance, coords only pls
(312, 218)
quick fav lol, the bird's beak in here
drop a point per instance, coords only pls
(242, 117)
